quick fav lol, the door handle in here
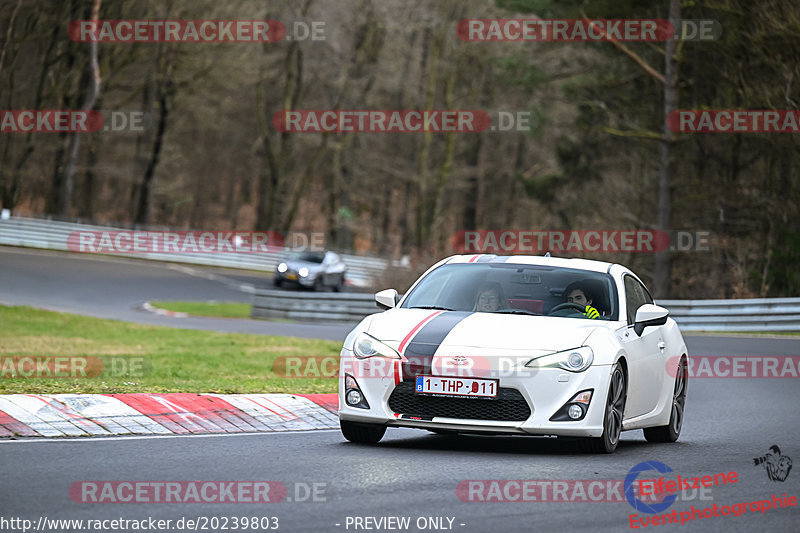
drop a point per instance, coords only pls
(661, 346)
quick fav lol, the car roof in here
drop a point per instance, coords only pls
(563, 262)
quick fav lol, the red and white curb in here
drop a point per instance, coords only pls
(79, 415)
(147, 306)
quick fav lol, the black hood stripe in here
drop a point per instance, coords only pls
(420, 351)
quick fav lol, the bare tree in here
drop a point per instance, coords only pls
(68, 180)
(662, 279)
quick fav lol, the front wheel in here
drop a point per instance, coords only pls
(612, 421)
(672, 431)
(362, 433)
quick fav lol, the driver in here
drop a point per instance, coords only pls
(489, 298)
(579, 293)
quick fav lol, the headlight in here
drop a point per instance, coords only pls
(282, 268)
(576, 360)
(303, 272)
(366, 345)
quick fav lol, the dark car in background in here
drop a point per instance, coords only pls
(312, 270)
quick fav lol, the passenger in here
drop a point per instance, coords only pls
(490, 298)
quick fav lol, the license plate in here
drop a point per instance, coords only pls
(291, 276)
(447, 386)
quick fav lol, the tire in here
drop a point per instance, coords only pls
(277, 282)
(612, 419)
(362, 433)
(317, 287)
(672, 430)
(338, 286)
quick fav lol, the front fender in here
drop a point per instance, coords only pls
(605, 345)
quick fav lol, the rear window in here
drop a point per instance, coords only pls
(309, 257)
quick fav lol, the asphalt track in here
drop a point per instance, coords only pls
(411, 473)
(110, 287)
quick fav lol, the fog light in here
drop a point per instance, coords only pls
(575, 412)
(353, 397)
(575, 409)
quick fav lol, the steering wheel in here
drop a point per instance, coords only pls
(568, 305)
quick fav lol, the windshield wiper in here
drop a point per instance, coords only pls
(517, 312)
(431, 307)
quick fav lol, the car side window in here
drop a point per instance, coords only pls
(647, 298)
(635, 297)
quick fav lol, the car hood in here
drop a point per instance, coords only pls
(295, 265)
(480, 331)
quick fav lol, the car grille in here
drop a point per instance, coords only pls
(508, 406)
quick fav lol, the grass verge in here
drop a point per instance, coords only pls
(216, 309)
(174, 360)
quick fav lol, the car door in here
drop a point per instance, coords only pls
(646, 354)
(338, 269)
(327, 263)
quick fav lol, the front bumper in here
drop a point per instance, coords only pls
(545, 392)
(307, 281)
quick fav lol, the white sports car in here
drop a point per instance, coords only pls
(524, 345)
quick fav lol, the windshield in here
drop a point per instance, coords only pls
(308, 257)
(516, 289)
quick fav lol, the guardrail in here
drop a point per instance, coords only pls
(326, 306)
(52, 235)
(755, 314)
(763, 314)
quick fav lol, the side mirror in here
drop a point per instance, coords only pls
(387, 298)
(649, 315)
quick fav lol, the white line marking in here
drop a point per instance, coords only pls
(231, 283)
